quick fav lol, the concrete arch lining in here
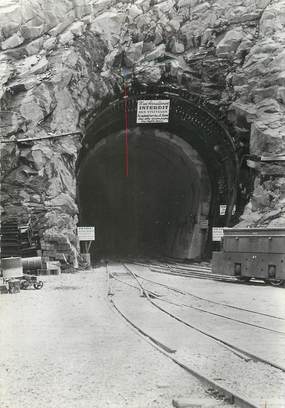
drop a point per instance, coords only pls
(166, 195)
(190, 118)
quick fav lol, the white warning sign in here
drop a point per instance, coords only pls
(217, 233)
(86, 233)
(153, 111)
(223, 209)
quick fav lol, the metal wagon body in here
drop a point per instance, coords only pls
(252, 253)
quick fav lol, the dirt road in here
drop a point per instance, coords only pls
(64, 347)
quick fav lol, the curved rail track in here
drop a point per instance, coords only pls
(150, 295)
(154, 297)
(227, 305)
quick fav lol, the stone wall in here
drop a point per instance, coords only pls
(61, 59)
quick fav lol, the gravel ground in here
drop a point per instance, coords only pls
(229, 330)
(64, 347)
(255, 380)
(259, 297)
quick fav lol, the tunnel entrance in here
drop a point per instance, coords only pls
(158, 208)
(179, 174)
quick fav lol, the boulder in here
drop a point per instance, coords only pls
(5, 74)
(109, 25)
(77, 28)
(50, 43)
(249, 218)
(158, 35)
(66, 21)
(134, 11)
(280, 79)
(36, 104)
(263, 139)
(133, 53)
(260, 198)
(173, 25)
(268, 105)
(34, 47)
(101, 6)
(270, 21)
(144, 5)
(8, 30)
(163, 7)
(158, 52)
(30, 31)
(188, 3)
(199, 9)
(40, 67)
(11, 14)
(148, 73)
(177, 48)
(66, 38)
(65, 115)
(21, 85)
(264, 93)
(112, 59)
(11, 122)
(281, 94)
(12, 42)
(62, 78)
(230, 42)
(63, 202)
(31, 110)
(32, 65)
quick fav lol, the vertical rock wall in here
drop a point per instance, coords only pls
(259, 93)
(61, 59)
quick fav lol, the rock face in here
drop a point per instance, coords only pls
(61, 59)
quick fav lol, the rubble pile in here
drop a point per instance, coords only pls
(61, 59)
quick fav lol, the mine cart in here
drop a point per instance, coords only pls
(252, 253)
(13, 276)
(27, 281)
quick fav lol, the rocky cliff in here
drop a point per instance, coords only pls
(61, 59)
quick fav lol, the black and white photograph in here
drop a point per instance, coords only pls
(142, 157)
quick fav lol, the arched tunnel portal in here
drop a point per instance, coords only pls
(180, 172)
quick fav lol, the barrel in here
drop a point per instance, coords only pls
(12, 267)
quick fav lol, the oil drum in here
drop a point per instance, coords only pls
(12, 267)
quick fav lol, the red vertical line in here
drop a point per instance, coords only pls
(126, 133)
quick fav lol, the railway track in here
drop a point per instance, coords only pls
(196, 270)
(191, 270)
(153, 295)
(210, 301)
(134, 281)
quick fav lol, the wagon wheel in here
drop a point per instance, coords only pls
(38, 285)
(276, 282)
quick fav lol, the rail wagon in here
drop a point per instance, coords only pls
(252, 253)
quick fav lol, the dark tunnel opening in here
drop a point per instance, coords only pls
(158, 209)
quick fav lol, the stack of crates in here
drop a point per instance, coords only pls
(10, 239)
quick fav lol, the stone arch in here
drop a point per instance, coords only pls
(192, 124)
